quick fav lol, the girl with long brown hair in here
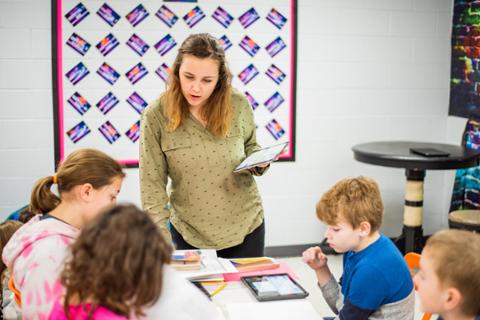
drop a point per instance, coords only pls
(196, 133)
(119, 269)
(87, 181)
(115, 269)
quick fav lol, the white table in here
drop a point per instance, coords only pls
(236, 302)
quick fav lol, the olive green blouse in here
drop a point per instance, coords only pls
(211, 206)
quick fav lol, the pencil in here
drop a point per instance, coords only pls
(220, 288)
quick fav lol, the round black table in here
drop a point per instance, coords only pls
(398, 154)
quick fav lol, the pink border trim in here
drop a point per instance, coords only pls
(292, 70)
(128, 162)
(60, 78)
(135, 162)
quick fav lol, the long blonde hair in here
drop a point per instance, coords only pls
(218, 109)
(81, 166)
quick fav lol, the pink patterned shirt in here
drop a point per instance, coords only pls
(35, 255)
(80, 312)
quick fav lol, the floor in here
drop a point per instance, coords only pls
(308, 280)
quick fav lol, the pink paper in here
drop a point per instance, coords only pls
(283, 268)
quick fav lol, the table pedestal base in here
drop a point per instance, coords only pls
(411, 240)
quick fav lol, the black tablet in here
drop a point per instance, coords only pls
(429, 152)
(274, 287)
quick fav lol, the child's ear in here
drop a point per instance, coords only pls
(365, 228)
(452, 299)
(86, 192)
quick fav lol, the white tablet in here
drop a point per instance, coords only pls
(262, 156)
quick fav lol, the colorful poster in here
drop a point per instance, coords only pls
(274, 47)
(465, 66)
(77, 73)
(250, 46)
(167, 16)
(274, 73)
(78, 44)
(107, 103)
(108, 73)
(109, 132)
(137, 44)
(107, 44)
(276, 18)
(225, 42)
(223, 17)
(133, 133)
(163, 71)
(248, 74)
(248, 18)
(136, 73)
(274, 102)
(275, 129)
(137, 102)
(79, 103)
(193, 17)
(137, 15)
(108, 14)
(165, 44)
(77, 14)
(251, 100)
(78, 132)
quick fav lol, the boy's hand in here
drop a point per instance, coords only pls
(315, 258)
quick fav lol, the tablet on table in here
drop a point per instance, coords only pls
(274, 287)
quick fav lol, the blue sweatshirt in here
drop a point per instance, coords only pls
(376, 284)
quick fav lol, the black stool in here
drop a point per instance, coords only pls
(465, 219)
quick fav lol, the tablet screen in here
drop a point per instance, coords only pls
(262, 156)
(274, 287)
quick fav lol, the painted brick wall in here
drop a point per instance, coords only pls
(367, 70)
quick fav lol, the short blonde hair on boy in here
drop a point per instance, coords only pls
(456, 261)
(354, 200)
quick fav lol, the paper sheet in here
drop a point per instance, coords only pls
(211, 266)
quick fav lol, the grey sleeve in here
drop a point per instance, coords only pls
(332, 295)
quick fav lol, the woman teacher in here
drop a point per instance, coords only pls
(196, 133)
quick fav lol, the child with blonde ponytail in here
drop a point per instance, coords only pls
(88, 181)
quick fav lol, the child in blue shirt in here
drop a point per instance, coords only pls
(376, 282)
(448, 282)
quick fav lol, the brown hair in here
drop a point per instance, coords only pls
(131, 251)
(81, 166)
(218, 110)
(353, 199)
(456, 261)
(7, 229)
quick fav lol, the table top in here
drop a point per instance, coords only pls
(236, 302)
(397, 154)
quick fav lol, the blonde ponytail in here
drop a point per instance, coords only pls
(43, 200)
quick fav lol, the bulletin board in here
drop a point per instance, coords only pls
(112, 58)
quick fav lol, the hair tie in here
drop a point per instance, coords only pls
(55, 179)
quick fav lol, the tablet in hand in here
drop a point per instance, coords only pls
(262, 157)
